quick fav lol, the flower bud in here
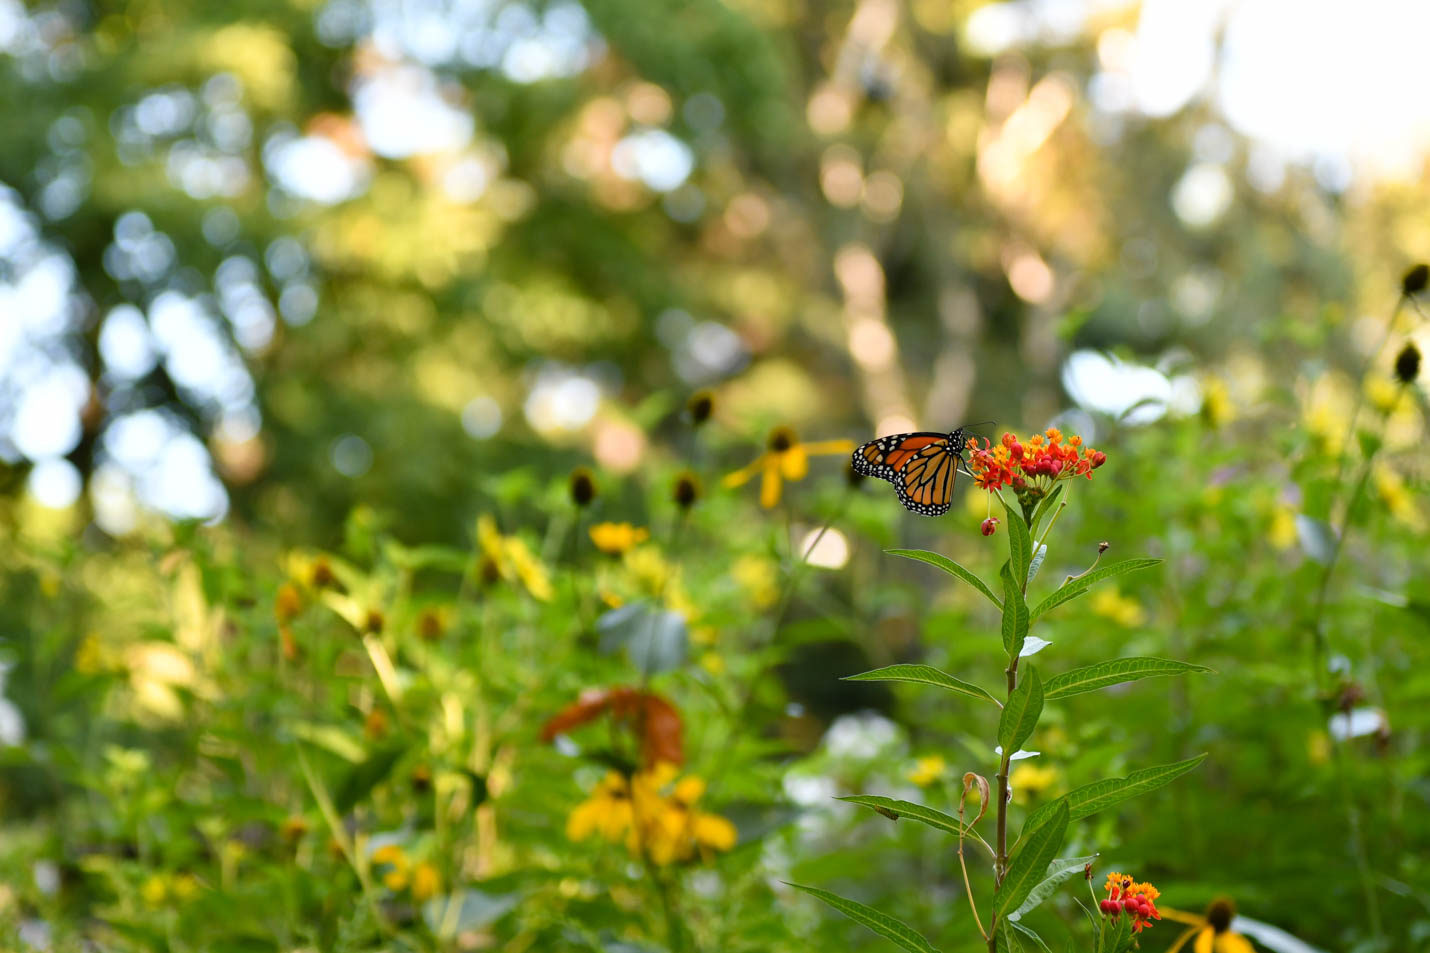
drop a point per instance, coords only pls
(990, 526)
(583, 486)
(687, 490)
(1098, 459)
(1103, 547)
(1415, 279)
(700, 406)
(1407, 364)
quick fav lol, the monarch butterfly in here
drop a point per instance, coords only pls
(922, 467)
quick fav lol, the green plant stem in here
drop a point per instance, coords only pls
(1360, 391)
(1353, 828)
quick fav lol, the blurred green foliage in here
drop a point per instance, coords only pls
(208, 738)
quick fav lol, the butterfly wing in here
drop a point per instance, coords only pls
(883, 458)
(924, 482)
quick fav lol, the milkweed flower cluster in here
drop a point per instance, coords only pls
(1032, 467)
(654, 814)
(1137, 900)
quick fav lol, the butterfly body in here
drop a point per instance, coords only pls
(922, 467)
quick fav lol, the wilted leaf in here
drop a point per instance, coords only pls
(654, 720)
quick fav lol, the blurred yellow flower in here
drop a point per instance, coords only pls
(154, 890)
(1382, 393)
(757, 576)
(510, 556)
(617, 538)
(654, 814)
(927, 770)
(426, 881)
(1114, 606)
(1029, 779)
(1397, 499)
(785, 458)
(1282, 531)
(713, 662)
(1211, 932)
(185, 886)
(1217, 406)
(394, 859)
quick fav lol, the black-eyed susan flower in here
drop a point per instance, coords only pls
(927, 770)
(617, 538)
(785, 458)
(505, 557)
(1407, 364)
(687, 490)
(1415, 279)
(701, 406)
(654, 814)
(582, 486)
(1211, 932)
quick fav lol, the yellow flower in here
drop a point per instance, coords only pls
(510, 556)
(1211, 932)
(185, 886)
(1397, 498)
(785, 458)
(616, 538)
(927, 770)
(713, 662)
(1112, 605)
(395, 860)
(654, 814)
(1029, 779)
(757, 575)
(1282, 532)
(425, 882)
(154, 890)
(1382, 393)
(1217, 406)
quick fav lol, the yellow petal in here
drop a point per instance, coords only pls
(1233, 943)
(742, 476)
(770, 488)
(1203, 942)
(712, 830)
(794, 463)
(689, 789)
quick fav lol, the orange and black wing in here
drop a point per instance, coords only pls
(924, 483)
(883, 458)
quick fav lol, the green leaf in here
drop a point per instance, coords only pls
(1092, 677)
(922, 674)
(915, 812)
(365, 776)
(1020, 544)
(1059, 871)
(1015, 613)
(949, 566)
(1100, 795)
(882, 924)
(1020, 715)
(1045, 506)
(1115, 935)
(1028, 932)
(1083, 582)
(1027, 868)
(467, 909)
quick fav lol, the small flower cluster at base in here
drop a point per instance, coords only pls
(1031, 467)
(654, 814)
(1137, 900)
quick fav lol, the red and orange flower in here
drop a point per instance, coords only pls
(1032, 467)
(1137, 900)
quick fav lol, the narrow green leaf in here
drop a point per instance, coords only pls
(922, 674)
(882, 924)
(915, 812)
(363, 777)
(1100, 795)
(1059, 871)
(1020, 715)
(948, 566)
(1020, 544)
(1114, 672)
(1083, 582)
(1028, 867)
(1030, 933)
(1015, 613)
